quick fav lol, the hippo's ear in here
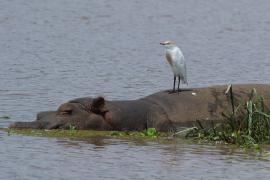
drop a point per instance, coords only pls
(97, 105)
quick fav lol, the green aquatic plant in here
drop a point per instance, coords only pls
(267, 154)
(72, 132)
(57, 133)
(4, 117)
(119, 133)
(248, 124)
(150, 132)
(72, 129)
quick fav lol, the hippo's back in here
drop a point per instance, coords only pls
(205, 104)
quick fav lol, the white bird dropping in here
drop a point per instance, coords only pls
(176, 60)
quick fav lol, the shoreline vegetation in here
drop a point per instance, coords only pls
(150, 133)
(246, 125)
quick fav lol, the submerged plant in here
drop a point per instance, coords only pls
(71, 127)
(248, 124)
(149, 132)
(4, 117)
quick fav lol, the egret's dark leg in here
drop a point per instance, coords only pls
(173, 90)
(174, 79)
(178, 89)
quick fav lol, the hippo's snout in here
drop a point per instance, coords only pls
(25, 125)
(12, 125)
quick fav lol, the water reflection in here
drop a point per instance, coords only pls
(104, 157)
(96, 143)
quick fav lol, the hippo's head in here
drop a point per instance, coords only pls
(84, 113)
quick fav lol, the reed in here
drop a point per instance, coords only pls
(247, 124)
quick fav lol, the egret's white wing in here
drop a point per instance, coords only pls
(181, 65)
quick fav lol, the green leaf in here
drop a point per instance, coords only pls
(151, 132)
(257, 146)
(115, 133)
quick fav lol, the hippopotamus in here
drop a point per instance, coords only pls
(163, 110)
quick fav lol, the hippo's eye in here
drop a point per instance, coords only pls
(66, 112)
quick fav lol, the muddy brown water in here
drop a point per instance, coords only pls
(53, 51)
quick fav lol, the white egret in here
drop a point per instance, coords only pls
(176, 60)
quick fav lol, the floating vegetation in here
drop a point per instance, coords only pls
(56, 132)
(150, 133)
(4, 117)
(267, 154)
(247, 125)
